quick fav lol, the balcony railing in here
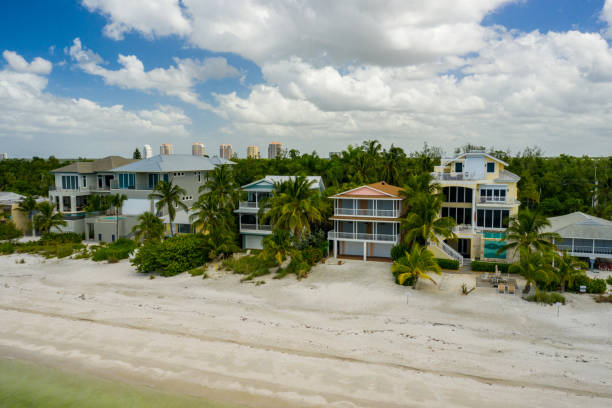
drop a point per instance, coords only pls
(497, 200)
(359, 212)
(115, 186)
(358, 236)
(80, 189)
(249, 204)
(255, 227)
(580, 249)
(453, 176)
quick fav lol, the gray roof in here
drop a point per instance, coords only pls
(101, 165)
(580, 225)
(172, 162)
(445, 161)
(507, 176)
(7, 197)
(317, 181)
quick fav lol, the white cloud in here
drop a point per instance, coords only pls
(18, 64)
(149, 17)
(48, 124)
(177, 81)
(606, 15)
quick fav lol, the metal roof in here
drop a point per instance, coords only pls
(580, 225)
(101, 165)
(507, 176)
(172, 162)
(317, 181)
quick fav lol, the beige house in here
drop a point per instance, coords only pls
(481, 196)
(9, 210)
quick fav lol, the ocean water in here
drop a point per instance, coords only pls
(31, 385)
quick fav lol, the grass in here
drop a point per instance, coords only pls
(251, 266)
(27, 385)
(548, 298)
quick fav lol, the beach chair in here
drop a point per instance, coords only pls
(511, 289)
(501, 288)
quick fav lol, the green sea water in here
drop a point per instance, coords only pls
(31, 385)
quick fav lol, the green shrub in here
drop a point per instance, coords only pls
(580, 280)
(51, 238)
(609, 280)
(298, 266)
(398, 251)
(252, 266)
(312, 255)
(120, 249)
(173, 255)
(448, 264)
(597, 286)
(8, 230)
(481, 266)
(548, 298)
(7, 248)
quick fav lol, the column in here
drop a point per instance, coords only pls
(474, 212)
(365, 251)
(335, 248)
(72, 203)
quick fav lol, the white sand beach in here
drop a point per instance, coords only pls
(346, 336)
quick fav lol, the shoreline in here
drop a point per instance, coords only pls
(342, 337)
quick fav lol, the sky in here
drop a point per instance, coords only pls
(90, 78)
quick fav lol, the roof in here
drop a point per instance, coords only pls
(580, 225)
(101, 165)
(474, 154)
(7, 197)
(507, 176)
(172, 162)
(380, 190)
(267, 183)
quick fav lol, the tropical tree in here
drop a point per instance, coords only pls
(210, 214)
(221, 242)
(525, 231)
(27, 206)
(46, 219)
(98, 202)
(293, 206)
(149, 228)
(534, 267)
(420, 183)
(116, 201)
(416, 264)
(277, 246)
(568, 268)
(168, 195)
(423, 224)
(220, 182)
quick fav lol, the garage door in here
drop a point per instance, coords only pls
(253, 242)
(382, 250)
(351, 248)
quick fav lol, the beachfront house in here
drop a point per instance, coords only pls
(137, 180)
(76, 183)
(366, 221)
(480, 195)
(584, 236)
(9, 210)
(252, 230)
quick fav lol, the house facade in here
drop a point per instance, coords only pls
(366, 221)
(76, 182)
(252, 229)
(480, 195)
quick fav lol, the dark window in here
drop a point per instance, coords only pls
(488, 219)
(458, 167)
(453, 195)
(483, 193)
(460, 194)
(444, 211)
(468, 195)
(496, 219)
(505, 216)
(490, 167)
(502, 195)
(452, 212)
(445, 192)
(481, 217)
(468, 216)
(459, 218)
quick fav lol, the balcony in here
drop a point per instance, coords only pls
(497, 200)
(250, 206)
(88, 189)
(453, 176)
(359, 212)
(580, 250)
(140, 187)
(255, 228)
(357, 236)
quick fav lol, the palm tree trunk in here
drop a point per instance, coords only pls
(416, 278)
(562, 286)
(527, 287)
(170, 219)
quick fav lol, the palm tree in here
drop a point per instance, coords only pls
(46, 219)
(277, 246)
(117, 202)
(220, 181)
(222, 242)
(533, 266)
(293, 206)
(423, 224)
(27, 206)
(416, 264)
(415, 184)
(525, 231)
(169, 196)
(568, 268)
(210, 214)
(149, 228)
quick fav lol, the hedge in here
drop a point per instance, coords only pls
(481, 266)
(448, 264)
(172, 256)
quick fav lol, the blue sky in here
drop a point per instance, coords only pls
(343, 77)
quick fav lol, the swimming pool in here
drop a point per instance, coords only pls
(113, 218)
(494, 235)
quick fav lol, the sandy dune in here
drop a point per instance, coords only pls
(345, 337)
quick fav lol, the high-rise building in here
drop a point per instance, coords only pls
(165, 148)
(253, 152)
(275, 150)
(147, 151)
(226, 151)
(197, 149)
(3, 156)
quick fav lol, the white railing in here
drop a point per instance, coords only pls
(249, 204)
(497, 200)
(582, 249)
(82, 189)
(256, 227)
(449, 250)
(462, 228)
(362, 236)
(443, 176)
(364, 212)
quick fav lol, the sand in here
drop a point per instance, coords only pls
(346, 336)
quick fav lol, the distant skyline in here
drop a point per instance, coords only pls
(92, 78)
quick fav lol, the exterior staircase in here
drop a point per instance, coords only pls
(448, 250)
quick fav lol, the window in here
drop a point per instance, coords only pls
(492, 218)
(199, 177)
(166, 177)
(458, 167)
(70, 182)
(460, 215)
(153, 180)
(100, 181)
(127, 180)
(490, 167)
(66, 204)
(457, 194)
(84, 181)
(493, 193)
